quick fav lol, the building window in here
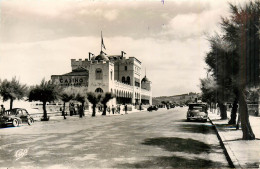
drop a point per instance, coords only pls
(125, 67)
(99, 90)
(111, 73)
(99, 75)
(123, 79)
(128, 80)
(137, 84)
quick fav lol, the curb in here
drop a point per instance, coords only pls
(227, 151)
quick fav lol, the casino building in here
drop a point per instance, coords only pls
(109, 73)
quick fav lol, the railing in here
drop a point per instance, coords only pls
(124, 86)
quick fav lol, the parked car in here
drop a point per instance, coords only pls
(151, 108)
(15, 117)
(197, 111)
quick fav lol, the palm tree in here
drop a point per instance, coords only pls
(105, 98)
(12, 90)
(45, 92)
(66, 95)
(94, 99)
(81, 98)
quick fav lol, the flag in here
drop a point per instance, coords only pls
(102, 42)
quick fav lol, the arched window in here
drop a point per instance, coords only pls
(128, 80)
(99, 90)
(99, 74)
(111, 74)
(123, 79)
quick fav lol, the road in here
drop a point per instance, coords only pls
(157, 139)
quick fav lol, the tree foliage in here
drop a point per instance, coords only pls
(45, 92)
(94, 99)
(12, 90)
(233, 60)
(104, 99)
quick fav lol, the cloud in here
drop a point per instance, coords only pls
(38, 38)
(166, 66)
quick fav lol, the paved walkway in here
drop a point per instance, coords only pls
(243, 154)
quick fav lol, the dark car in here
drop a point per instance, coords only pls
(197, 111)
(15, 117)
(151, 108)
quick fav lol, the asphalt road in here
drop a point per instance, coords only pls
(157, 139)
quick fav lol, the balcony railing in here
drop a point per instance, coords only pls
(124, 86)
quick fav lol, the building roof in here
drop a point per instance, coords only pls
(145, 79)
(101, 56)
(77, 72)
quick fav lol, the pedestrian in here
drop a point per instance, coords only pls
(2, 110)
(113, 109)
(118, 109)
(80, 110)
(125, 108)
(108, 109)
(71, 109)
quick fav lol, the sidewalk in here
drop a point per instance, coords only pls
(243, 154)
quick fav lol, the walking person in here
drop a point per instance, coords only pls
(125, 108)
(71, 109)
(118, 109)
(2, 110)
(113, 109)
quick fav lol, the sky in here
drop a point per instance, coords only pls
(38, 38)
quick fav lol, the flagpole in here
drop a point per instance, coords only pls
(101, 41)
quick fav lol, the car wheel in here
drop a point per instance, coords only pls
(15, 123)
(30, 121)
(188, 119)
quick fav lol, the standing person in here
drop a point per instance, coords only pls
(113, 109)
(125, 108)
(71, 109)
(118, 109)
(108, 109)
(2, 110)
(80, 110)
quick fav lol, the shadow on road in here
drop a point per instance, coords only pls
(197, 128)
(175, 144)
(174, 162)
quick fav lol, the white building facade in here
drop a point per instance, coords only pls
(115, 73)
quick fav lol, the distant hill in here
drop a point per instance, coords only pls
(178, 99)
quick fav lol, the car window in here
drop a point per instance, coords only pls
(19, 112)
(24, 112)
(197, 107)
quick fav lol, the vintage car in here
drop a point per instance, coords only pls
(15, 117)
(197, 111)
(151, 108)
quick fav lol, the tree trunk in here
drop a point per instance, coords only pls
(245, 124)
(223, 110)
(80, 110)
(234, 109)
(11, 104)
(105, 110)
(45, 118)
(94, 110)
(243, 111)
(63, 111)
(83, 110)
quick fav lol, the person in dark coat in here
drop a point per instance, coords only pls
(125, 108)
(2, 110)
(113, 109)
